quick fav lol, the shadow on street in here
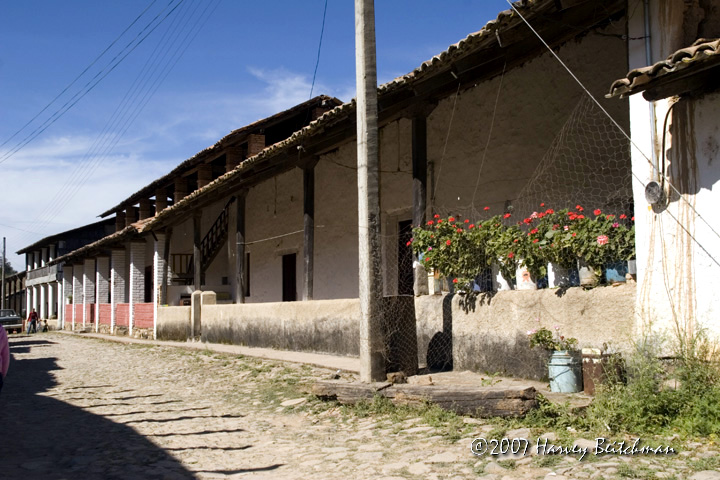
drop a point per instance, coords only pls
(43, 437)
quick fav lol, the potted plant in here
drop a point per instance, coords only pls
(564, 368)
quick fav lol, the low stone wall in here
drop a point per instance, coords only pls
(173, 323)
(491, 335)
(328, 326)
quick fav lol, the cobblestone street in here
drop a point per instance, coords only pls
(75, 407)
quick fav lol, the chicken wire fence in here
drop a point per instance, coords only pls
(587, 164)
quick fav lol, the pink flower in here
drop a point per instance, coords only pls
(602, 240)
(532, 332)
(556, 327)
(566, 228)
(429, 249)
(534, 215)
(616, 225)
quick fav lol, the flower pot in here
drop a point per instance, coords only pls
(615, 272)
(523, 279)
(587, 275)
(559, 276)
(632, 267)
(498, 280)
(434, 283)
(565, 372)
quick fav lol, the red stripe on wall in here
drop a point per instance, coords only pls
(105, 311)
(122, 314)
(143, 315)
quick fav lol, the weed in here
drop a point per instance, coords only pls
(710, 463)
(547, 461)
(508, 464)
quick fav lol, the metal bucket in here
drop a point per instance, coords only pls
(565, 372)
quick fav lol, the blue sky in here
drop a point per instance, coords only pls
(241, 61)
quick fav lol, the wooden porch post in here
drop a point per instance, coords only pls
(239, 239)
(419, 172)
(308, 229)
(197, 260)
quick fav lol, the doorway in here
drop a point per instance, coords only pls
(289, 284)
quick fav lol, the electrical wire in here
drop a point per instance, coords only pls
(627, 137)
(80, 75)
(90, 85)
(317, 62)
(131, 106)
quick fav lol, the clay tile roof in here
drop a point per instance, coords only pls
(698, 56)
(104, 243)
(217, 149)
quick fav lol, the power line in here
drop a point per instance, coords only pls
(317, 62)
(91, 84)
(80, 75)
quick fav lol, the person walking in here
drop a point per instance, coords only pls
(32, 322)
(4, 355)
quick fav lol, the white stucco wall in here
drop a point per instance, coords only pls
(677, 279)
(535, 101)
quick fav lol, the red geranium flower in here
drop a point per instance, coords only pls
(487, 208)
(451, 219)
(536, 240)
(542, 204)
(467, 220)
(633, 219)
(579, 208)
(609, 217)
(597, 212)
(437, 216)
(448, 242)
(472, 225)
(623, 216)
(507, 215)
(534, 231)
(581, 217)
(459, 230)
(511, 255)
(430, 222)
(454, 280)
(549, 211)
(408, 244)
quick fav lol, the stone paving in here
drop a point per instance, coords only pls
(82, 408)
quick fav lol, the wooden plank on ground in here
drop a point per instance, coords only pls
(465, 400)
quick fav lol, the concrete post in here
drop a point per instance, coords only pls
(27, 302)
(137, 279)
(77, 292)
(43, 302)
(158, 276)
(88, 287)
(372, 363)
(102, 286)
(36, 299)
(195, 313)
(118, 275)
(66, 292)
(51, 288)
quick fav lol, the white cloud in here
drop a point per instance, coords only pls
(173, 127)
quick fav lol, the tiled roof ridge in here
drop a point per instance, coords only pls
(700, 50)
(216, 146)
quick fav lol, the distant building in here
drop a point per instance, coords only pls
(43, 281)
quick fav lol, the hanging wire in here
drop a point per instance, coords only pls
(629, 139)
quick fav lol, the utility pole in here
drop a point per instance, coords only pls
(372, 359)
(2, 288)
